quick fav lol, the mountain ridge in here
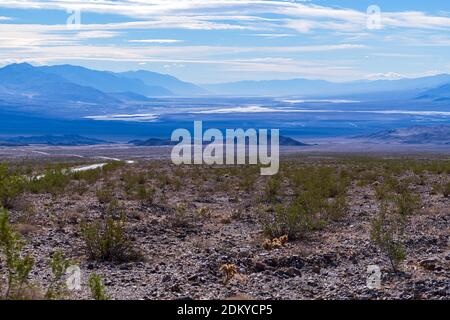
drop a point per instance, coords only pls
(306, 87)
(52, 140)
(439, 134)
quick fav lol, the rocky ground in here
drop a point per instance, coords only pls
(221, 225)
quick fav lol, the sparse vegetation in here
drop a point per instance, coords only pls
(104, 195)
(17, 267)
(53, 181)
(16, 264)
(11, 186)
(97, 288)
(59, 265)
(272, 189)
(191, 217)
(387, 231)
(106, 240)
(388, 228)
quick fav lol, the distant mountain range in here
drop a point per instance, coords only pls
(52, 140)
(441, 93)
(284, 141)
(72, 92)
(414, 135)
(410, 88)
(27, 83)
(67, 90)
(166, 81)
(105, 81)
(73, 83)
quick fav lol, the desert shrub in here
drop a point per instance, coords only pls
(382, 191)
(272, 189)
(53, 181)
(407, 203)
(59, 265)
(132, 179)
(11, 186)
(368, 177)
(248, 178)
(80, 187)
(16, 265)
(104, 195)
(310, 210)
(337, 208)
(392, 184)
(134, 185)
(145, 195)
(97, 288)
(443, 188)
(116, 210)
(164, 180)
(90, 176)
(106, 240)
(204, 213)
(181, 218)
(397, 203)
(325, 182)
(25, 229)
(446, 189)
(386, 232)
(320, 196)
(284, 220)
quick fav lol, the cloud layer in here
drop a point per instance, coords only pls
(284, 38)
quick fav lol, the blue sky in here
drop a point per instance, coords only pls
(208, 41)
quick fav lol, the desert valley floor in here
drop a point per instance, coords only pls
(152, 230)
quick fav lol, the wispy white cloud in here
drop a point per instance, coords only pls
(156, 41)
(96, 34)
(300, 16)
(326, 30)
(272, 35)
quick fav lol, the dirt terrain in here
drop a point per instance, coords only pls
(207, 232)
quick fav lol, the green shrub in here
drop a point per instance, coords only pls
(59, 265)
(248, 178)
(272, 189)
(106, 240)
(181, 218)
(293, 221)
(16, 266)
(446, 189)
(282, 221)
(11, 186)
(104, 195)
(145, 195)
(53, 181)
(97, 287)
(407, 203)
(337, 208)
(387, 232)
